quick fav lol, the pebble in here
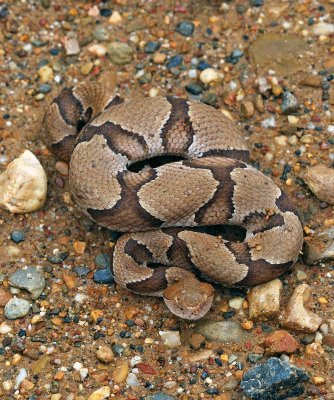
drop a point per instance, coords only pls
(4, 328)
(320, 246)
(103, 260)
(264, 300)
(174, 61)
(72, 47)
(105, 354)
(185, 28)
(115, 18)
(196, 340)
(171, 338)
(45, 73)
(194, 88)
(159, 396)
(289, 103)
(209, 75)
(23, 184)
(16, 308)
(121, 372)
(62, 167)
(296, 316)
(151, 47)
(159, 58)
(103, 275)
(100, 394)
(120, 53)
(247, 109)
(132, 380)
(30, 279)
(323, 29)
(280, 342)
(100, 33)
(17, 236)
(320, 180)
(284, 380)
(221, 331)
(86, 68)
(98, 50)
(201, 355)
(236, 302)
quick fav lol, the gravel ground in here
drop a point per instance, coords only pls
(65, 335)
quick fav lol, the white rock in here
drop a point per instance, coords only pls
(83, 373)
(209, 75)
(20, 377)
(323, 28)
(171, 338)
(132, 380)
(77, 366)
(98, 50)
(23, 184)
(4, 329)
(100, 394)
(72, 47)
(236, 302)
(296, 316)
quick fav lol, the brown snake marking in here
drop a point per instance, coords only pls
(173, 215)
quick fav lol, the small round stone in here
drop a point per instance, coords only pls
(16, 308)
(17, 236)
(185, 28)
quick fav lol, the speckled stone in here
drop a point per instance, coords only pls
(30, 279)
(17, 308)
(120, 53)
(221, 331)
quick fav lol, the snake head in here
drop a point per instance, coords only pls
(189, 299)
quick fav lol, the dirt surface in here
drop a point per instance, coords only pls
(259, 51)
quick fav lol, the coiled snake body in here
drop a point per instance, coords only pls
(174, 215)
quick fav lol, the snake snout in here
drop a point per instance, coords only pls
(189, 299)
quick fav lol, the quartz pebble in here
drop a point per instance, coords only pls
(23, 184)
(171, 338)
(289, 103)
(209, 75)
(16, 308)
(323, 28)
(320, 179)
(264, 300)
(30, 279)
(72, 47)
(100, 394)
(296, 316)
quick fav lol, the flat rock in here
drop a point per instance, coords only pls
(30, 279)
(320, 246)
(221, 331)
(264, 300)
(274, 380)
(16, 308)
(320, 179)
(278, 52)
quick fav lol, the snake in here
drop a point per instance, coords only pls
(174, 178)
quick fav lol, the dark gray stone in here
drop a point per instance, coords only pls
(185, 28)
(274, 380)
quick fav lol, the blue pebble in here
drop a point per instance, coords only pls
(256, 3)
(194, 88)
(117, 349)
(103, 260)
(185, 28)
(174, 61)
(54, 52)
(103, 276)
(151, 47)
(44, 88)
(274, 380)
(105, 12)
(42, 63)
(17, 236)
(237, 53)
(202, 65)
(159, 396)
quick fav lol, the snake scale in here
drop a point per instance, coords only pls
(174, 176)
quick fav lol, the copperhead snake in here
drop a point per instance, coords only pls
(177, 217)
